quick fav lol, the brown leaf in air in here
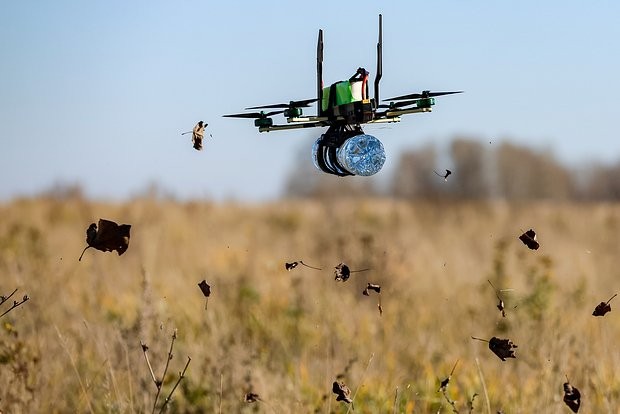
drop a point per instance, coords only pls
(108, 236)
(503, 348)
(572, 396)
(343, 272)
(205, 288)
(500, 304)
(444, 383)
(529, 239)
(251, 397)
(444, 176)
(603, 307)
(375, 288)
(369, 287)
(292, 265)
(343, 393)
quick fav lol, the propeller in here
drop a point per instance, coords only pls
(257, 115)
(290, 105)
(396, 105)
(424, 94)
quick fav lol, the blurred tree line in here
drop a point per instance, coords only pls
(479, 171)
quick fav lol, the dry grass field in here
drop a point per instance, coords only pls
(75, 345)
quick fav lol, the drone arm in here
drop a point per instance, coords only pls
(292, 126)
(399, 112)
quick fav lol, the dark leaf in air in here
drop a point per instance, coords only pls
(444, 176)
(501, 308)
(444, 383)
(369, 287)
(205, 288)
(503, 348)
(251, 397)
(529, 239)
(108, 236)
(500, 304)
(603, 307)
(343, 393)
(292, 265)
(342, 272)
(572, 397)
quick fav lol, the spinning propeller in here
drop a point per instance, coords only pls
(261, 119)
(290, 105)
(257, 115)
(396, 105)
(424, 94)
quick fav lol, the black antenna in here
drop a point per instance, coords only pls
(319, 73)
(379, 61)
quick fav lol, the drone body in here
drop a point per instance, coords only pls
(344, 107)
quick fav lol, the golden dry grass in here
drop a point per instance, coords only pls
(75, 346)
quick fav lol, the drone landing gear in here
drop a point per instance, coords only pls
(326, 148)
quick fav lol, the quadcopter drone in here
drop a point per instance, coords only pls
(343, 107)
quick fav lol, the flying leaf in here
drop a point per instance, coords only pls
(503, 348)
(603, 307)
(342, 272)
(251, 397)
(292, 265)
(444, 383)
(500, 304)
(376, 288)
(343, 393)
(501, 308)
(108, 236)
(205, 288)
(572, 396)
(370, 287)
(444, 176)
(529, 239)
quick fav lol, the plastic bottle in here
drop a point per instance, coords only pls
(361, 155)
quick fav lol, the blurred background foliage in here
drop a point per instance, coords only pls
(499, 170)
(431, 245)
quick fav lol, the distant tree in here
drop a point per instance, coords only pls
(523, 173)
(599, 182)
(64, 191)
(414, 177)
(470, 175)
(510, 171)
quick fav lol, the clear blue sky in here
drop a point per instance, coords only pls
(98, 93)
